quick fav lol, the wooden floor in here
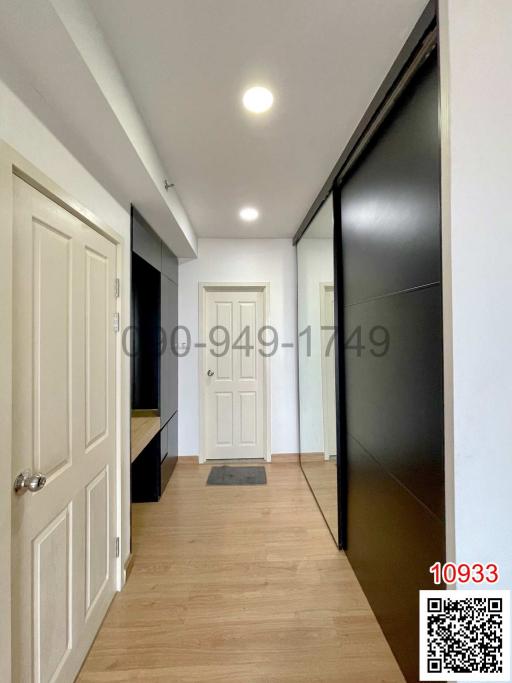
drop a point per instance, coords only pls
(238, 584)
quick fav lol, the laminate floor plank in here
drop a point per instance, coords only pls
(238, 584)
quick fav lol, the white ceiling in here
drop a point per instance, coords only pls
(188, 62)
(53, 59)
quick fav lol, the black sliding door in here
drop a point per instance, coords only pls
(389, 213)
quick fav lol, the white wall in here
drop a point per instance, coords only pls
(243, 260)
(315, 266)
(476, 87)
(27, 135)
(81, 24)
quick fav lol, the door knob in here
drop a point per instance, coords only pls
(210, 373)
(26, 481)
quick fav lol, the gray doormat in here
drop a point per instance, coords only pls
(236, 476)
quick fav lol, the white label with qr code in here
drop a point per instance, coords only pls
(465, 635)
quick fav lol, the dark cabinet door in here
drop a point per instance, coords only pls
(169, 358)
(146, 473)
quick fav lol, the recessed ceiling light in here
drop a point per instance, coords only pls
(258, 99)
(249, 213)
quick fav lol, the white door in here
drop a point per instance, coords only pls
(63, 428)
(234, 375)
(328, 369)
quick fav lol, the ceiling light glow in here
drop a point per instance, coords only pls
(258, 99)
(249, 214)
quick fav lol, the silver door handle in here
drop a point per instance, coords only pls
(26, 481)
(210, 373)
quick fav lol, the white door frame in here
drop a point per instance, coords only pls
(13, 164)
(205, 287)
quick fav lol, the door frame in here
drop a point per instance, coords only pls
(14, 164)
(203, 289)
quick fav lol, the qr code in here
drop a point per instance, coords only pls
(465, 635)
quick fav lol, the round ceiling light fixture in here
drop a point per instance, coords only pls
(249, 214)
(258, 99)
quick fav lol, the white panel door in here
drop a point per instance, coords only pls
(63, 428)
(234, 375)
(328, 369)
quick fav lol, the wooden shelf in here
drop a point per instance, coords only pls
(143, 428)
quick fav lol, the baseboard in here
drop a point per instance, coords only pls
(312, 457)
(188, 460)
(276, 457)
(285, 457)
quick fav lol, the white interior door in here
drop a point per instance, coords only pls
(328, 369)
(63, 428)
(234, 375)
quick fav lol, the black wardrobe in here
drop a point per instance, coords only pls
(391, 256)
(388, 302)
(154, 362)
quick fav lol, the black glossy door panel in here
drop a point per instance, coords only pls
(390, 203)
(392, 541)
(394, 400)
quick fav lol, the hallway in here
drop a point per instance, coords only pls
(238, 584)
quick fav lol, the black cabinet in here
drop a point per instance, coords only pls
(145, 337)
(154, 356)
(169, 358)
(146, 482)
(152, 469)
